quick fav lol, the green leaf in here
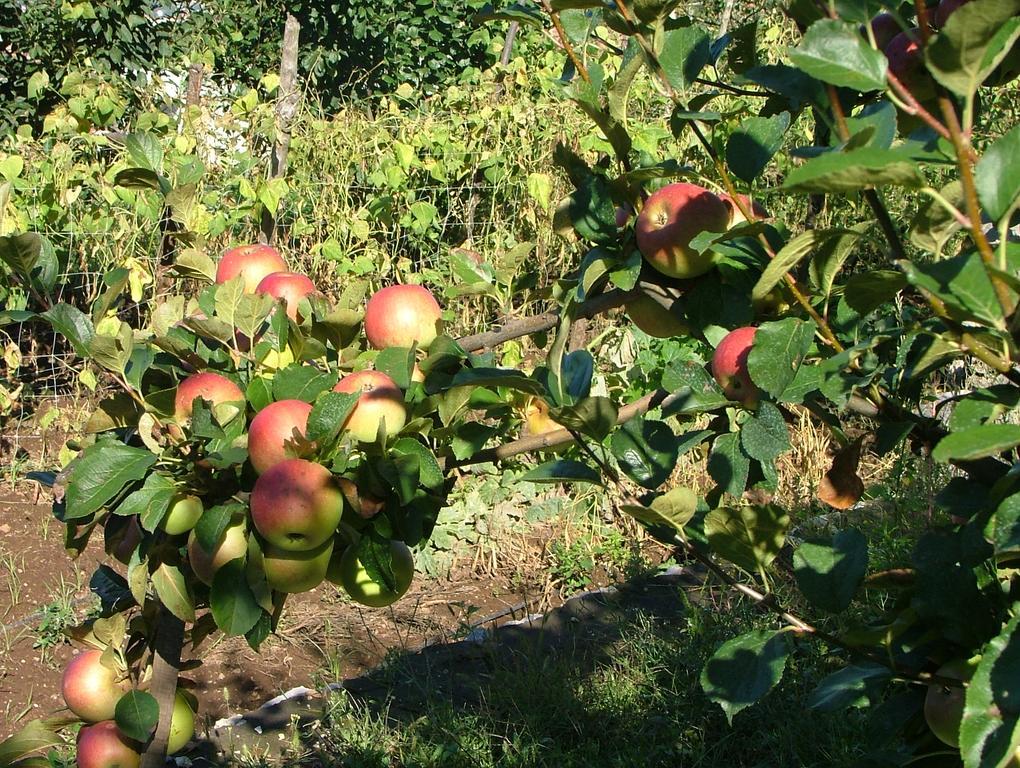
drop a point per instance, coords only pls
(144, 151)
(992, 709)
(744, 669)
(259, 393)
(685, 52)
(32, 258)
(829, 573)
(430, 474)
(974, 41)
(150, 502)
(864, 168)
(728, 464)
(562, 471)
(977, 442)
(74, 325)
(764, 436)
(867, 291)
(750, 537)
(852, 686)
(997, 175)
(831, 255)
(213, 522)
(835, 52)
(963, 285)
(519, 12)
(594, 416)
(791, 255)
(778, 351)
(695, 388)
(301, 382)
(754, 142)
(233, 604)
(498, 377)
(137, 714)
(983, 405)
(99, 473)
(933, 225)
(328, 414)
(673, 509)
(646, 451)
(173, 592)
(36, 736)
(113, 352)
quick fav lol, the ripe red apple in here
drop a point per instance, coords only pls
(943, 705)
(296, 505)
(946, 9)
(103, 746)
(884, 27)
(381, 404)
(182, 724)
(757, 210)
(289, 286)
(349, 573)
(212, 387)
(183, 514)
(277, 433)
(623, 214)
(671, 217)
(906, 62)
(402, 315)
(654, 319)
(90, 688)
(293, 572)
(232, 545)
(251, 262)
(729, 366)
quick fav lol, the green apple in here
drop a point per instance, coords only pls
(350, 573)
(182, 514)
(182, 724)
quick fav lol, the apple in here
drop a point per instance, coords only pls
(946, 9)
(296, 505)
(182, 514)
(670, 218)
(349, 573)
(381, 405)
(654, 319)
(289, 286)
(121, 537)
(729, 366)
(884, 27)
(623, 214)
(402, 315)
(277, 433)
(211, 387)
(90, 688)
(232, 545)
(251, 262)
(103, 746)
(757, 210)
(537, 420)
(943, 705)
(292, 572)
(182, 724)
(365, 506)
(906, 62)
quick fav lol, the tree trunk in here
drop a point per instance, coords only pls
(286, 108)
(166, 665)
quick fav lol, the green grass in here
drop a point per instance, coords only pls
(634, 702)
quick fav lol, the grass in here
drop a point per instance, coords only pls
(635, 702)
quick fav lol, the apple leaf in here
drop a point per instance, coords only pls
(375, 553)
(852, 686)
(100, 472)
(764, 435)
(232, 602)
(137, 714)
(777, 353)
(753, 144)
(150, 502)
(744, 669)
(430, 473)
(963, 285)
(301, 382)
(646, 451)
(562, 471)
(328, 414)
(593, 416)
(863, 168)
(213, 522)
(989, 732)
(977, 442)
(976, 38)
(750, 537)
(728, 464)
(173, 592)
(828, 574)
(673, 509)
(685, 52)
(833, 51)
(35, 736)
(997, 175)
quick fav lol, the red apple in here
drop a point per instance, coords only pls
(402, 315)
(121, 537)
(672, 216)
(906, 62)
(289, 286)
(884, 27)
(293, 572)
(757, 210)
(296, 505)
(277, 433)
(90, 688)
(729, 366)
(233, 544)
(946, 9)
(381, 404)
(251, 262)
(623, 214)
(103, 746)
(654, 319)
(212, 387)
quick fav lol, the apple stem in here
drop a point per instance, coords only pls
(166, 664)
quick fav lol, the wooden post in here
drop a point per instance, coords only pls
(727, 14)
(166, 665)
(286, 108)
(504, 58)
(195, 74)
